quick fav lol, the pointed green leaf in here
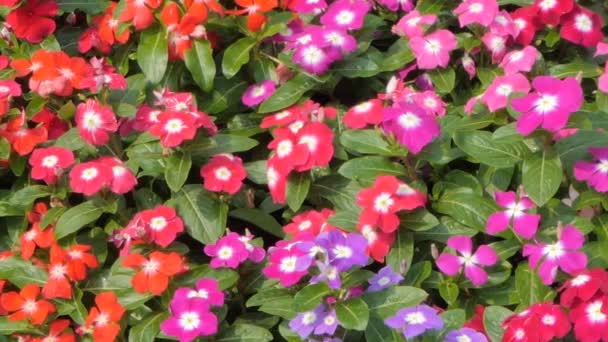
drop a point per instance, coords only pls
(153, 53)
(236, 55)
(177, 169)
(542, 175)
(200, 63)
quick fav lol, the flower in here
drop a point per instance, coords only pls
(173, 127)
(465, 334)
(306, 322)
(48, 163)
(346, 14)
(591, 320)
(206, 290)
(78, 259)
(22, 139)
(57, 332)
(257, 93)
(313, 58)
(413, 24)
(365, 113)
(595, 174)
(434, 49)
(481, 12)
(383, 279)
(316, 137)
(541, 322)
(57, 284)
(95, 122)
(519, 60)
(525, 19)
(224, 172)
(378, 242)
(154, 272)
(90, 177)
(23, 305)
(229, 251)
(35, 237)
(411, 125)
(182, 29)
(561, 254)
(415, 321)
(123, 179)
(582, 26)
(393, 5)
(344, 250)
(430, 102)
(103, 319)
(308, 223)
(189, 319)
(327, 324)
(484, 256)
(496, 44)
(549, 12)
(255, 10)
(33, 21)
(286, 263)
(524, 224)
(497, 95)
(139, 13)
(549, 106)
(583, 286)
(161, 223)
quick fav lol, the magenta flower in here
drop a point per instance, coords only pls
(411, 125)
(308, 6)
(595, 174)
(430, 102)
(206, 290)
(433, 49)
(496, 44)
(549, 106)
(313, 58)
(413, 24)
(469, 66)
(257, 93)
(504, 25)
(497, 95)
(335, 38)
(561, 254)
(524, 224)
(346, 14)
(519, 61)
(189, 319)
(286, 263)
(481, 12)
(229, 251)
(450, 264)
(393, 5)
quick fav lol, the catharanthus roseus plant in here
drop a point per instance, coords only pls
(303, 170)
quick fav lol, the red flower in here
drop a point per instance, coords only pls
(34, 21)
(366, 113)
(255, 10)
(123, 179)
(476, 322)
(283, 118)
(309, 223)
(73, 72)
(57, 332)
(53, 124)
(154, 273)
(182, 29)
(277, 181)
(48, 163)
(139, 12)
(287, 152)
(103, 319)
(525, 18)
(104, 33)
(95, 122)
(379, 242)
(582, 26)
(35, 237)
(174, 127)
(23, 139)
(541, 322)
(584, 286)
(24, 305)
(78, 260)
(162, 224)
(550, 11)
(57, 284)
(224, 172)
(90, 177)
(318, 139)
(591, 320)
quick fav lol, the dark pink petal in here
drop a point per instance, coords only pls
(547, 271)
(534, 253)
(571, 237)
(528, 122)
(448, 264)
(497, 222)
(526, 225)
(476, 274)
(463, 244)
(485, 256)
(505, 198)
(573, 262)
(583, 170)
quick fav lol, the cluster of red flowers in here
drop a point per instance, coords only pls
(301, 142)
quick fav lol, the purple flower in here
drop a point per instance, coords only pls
(346, 14)
(189, 319)
(344, 250)
(383, 279)
(328, 273)
(411, 125)
(465, 334)
(304, 323)
(257, 93)
(450, 264)
(327, 324)
(415, 321)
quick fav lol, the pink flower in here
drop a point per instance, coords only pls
(346, 14)
(335, 38)
(430, 102)
(549, 106)
(257, 93)
(525, 18)
(450, 264)
(224, 172)
(413, 24)
(229, 251)
(601, 49)
(95, 122)
(48, 163)
(189, 319)
(286, 263)
(161, 224)
(469, 66)
(411, 125)
(504, 25)
(308, 6)
(582, 26)
(365, 113)
(173, 127)
(496, 44)
(433, 49)
(550, 11)
(481, 12)
(313, 58)
(497, 95)
(90, 177)
(595, 174)
(123, 179)
(520, 60)
(393, 5)
(561, 254)
(524, 224)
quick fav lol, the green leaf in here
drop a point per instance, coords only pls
(588, 70)
(21, 272)
(203, 214)
(152, 53)
(345, 219)
(500, 153)
(368, 168)
(220, 143)
(418, 220)
(400, 256)
(260, 219)
(466, 208)
(225, 277)
(26, 196)
(200, 63)
(575, 147)
(367, 141)
(5, 148)
(77, 217)
(177, 168)
(493, 316)
(337, 190)
(387, 302)
(298, 185)
(397, 56)
(443, 79)
(542, 175)
(310, 297)
(73, 307)
(236, 55)
(430, 6)
(8, 327)
(51, 216)
(448, 291)
(377, 331)
(148, 328)
(288, 94)
(353, 314)
(242, 332)
(357, 67)
(530, 287)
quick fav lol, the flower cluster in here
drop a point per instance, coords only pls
(234, 249)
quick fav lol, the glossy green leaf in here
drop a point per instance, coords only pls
(310, 297)
(203, 214)
(177, 168)
(77, 217)
(298, 185)
(200, 63)
(236, 55)
(542, 175)
(152, 53)
(353, 314)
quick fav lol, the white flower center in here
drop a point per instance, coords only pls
(204, 294)
(383, 202)
(288, 264)
(467, 259)
(310, 141)
(463, 338)
(369, 234)
(583, 23)
(174, 126)
(476, 8)
(335, 38)
(415, 318)
(189, 320)
(312, 55)
(304, 225)
(504, 90)
(30, 235)
(158, 223)
(546, 103)
(384, 281)
(363, 107)
(89, 174)
(343, 252)
(91, 121)
(602, 166)
(594, 312)
(329, 320)
(30, 306)
(222, 173)
(345, 17)
(258, 91)
(151, 266)
(75, 254)
(296, 126)
(554, 251)
(580, 280)
(497, 44)
(309, 318)
(225, 253)
(408, 120)
(515, 209)
(58, 271)
(516, 56)
(272, 176)
(102, 319)
(282, 115)
(546, 5)
(520, 334)
(548, 319)
(284, 148)
(432, 46)
(50, 161)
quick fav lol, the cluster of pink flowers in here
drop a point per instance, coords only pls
(233, 249)
(90, 177)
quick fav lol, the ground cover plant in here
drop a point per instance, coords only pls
(303, 170)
